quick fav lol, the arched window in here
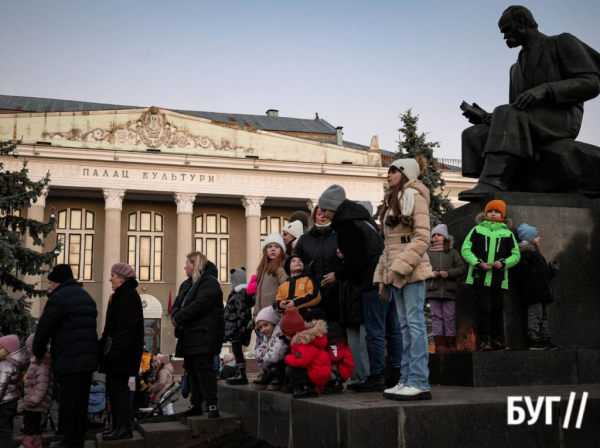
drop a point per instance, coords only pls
(75, 233)
(145, 238)
(211, 237)
(271, 224)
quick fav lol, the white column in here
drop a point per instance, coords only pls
(113, 205)
(35, 211)
(312, 203)
(185, 210)
(253, 206)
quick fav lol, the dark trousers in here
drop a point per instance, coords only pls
(236, 348)
(32, 423)
(203, 379)
(298, 378)
(117, 389)
(490, 312)
(73, 400)
(7, 416)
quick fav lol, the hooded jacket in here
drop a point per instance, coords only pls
(359, 241)
(302, 290)
(488, 242)
(198, 312)
(237, 313)
(444, 288)
(11, 375)
(38, 385)
(68, 322)
(164, 379)
(308, 352)
(124, 328)
(404, 259)
(533, 275)
(271, 350)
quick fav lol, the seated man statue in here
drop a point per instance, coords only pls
(552, 78)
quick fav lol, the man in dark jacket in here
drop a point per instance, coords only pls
(68, 322)
(361, 245)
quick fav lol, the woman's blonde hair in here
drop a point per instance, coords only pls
(199, 260)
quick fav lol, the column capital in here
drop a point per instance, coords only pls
(185, 202)
(41, 199)
(312, 203)
(253, 205)
(113, 198)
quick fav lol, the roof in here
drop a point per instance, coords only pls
(262, 122)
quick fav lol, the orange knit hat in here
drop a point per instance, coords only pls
(496, 205)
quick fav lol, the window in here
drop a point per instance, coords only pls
(271, 224)
(145, 240)
(75, 233)
(211, 237)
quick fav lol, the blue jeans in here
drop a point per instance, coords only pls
(381, 323)
(358, 346)
(409, 301)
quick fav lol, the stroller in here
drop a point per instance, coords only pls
(97, 402)
(170, 396)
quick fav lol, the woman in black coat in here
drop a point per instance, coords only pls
(318, 248)
(197, 316)
(122, 344)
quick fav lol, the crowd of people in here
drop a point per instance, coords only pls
(336, 296)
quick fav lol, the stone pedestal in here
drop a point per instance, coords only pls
(569, 226)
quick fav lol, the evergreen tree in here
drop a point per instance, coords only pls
(17, 192)
(415, 144)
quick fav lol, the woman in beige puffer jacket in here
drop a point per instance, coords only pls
(402, 270)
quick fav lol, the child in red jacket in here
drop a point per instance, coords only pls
(342, 362)
(308, 366)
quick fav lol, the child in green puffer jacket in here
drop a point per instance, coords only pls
(490, 249)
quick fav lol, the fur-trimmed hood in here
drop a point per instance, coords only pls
(481, 217)
(527, 247)
(314, 334)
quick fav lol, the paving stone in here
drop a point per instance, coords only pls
(209, 428)
(159, 435)
(136, 442)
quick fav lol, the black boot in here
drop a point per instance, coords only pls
(240, 377)
(119, 434)
(334, 387)
(193, 410)
(305, 392)
(263, 380)
(277, 382)
(485, 344)
(213, 411)
(497, 175)
(374, 383)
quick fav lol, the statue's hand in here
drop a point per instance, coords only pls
(532, 97)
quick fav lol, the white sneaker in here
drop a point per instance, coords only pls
(408, 393)
(391, 392)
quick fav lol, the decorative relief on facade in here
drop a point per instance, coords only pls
(253, 205)
(185, 202)
(152, 130)
(311, 204)
(152, 308)
(374, 154)
(113, 198)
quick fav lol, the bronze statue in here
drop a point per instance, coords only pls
(552, 78)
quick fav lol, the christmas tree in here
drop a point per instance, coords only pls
(415, 144)
(17, 192)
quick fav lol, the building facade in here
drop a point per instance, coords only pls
(147, 186)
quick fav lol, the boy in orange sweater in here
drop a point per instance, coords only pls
(299, 291)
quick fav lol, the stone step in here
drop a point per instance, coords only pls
(159, 435)
(514, 368)
(136, 442)
(209, 428)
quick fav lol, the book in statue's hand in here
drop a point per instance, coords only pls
(474, 113)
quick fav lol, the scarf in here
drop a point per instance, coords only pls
(437, 247)
(321, 227)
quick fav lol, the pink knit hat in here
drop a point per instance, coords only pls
(252, 287)
(10, 343)
(164, 359)
(123, 270)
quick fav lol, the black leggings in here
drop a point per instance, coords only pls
(236, 347)
(32, 423)
(490, 312)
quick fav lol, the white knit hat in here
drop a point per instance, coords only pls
(409, 167)
(273, 238)
(294, 228)
(268, 314)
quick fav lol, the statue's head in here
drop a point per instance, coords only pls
(516, 24)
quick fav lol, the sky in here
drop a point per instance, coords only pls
(359, 64)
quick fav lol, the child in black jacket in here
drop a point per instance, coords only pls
(534, 281)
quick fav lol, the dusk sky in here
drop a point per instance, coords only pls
(357, 63)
